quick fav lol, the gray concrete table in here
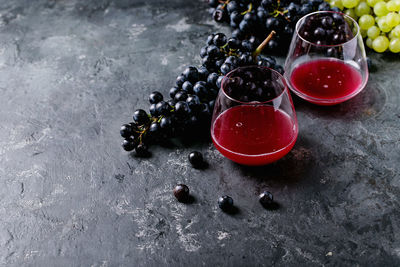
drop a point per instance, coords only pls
(71, 72)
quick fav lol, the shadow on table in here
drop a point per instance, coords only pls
(367, 104)
(190, 200)
(296, 166)
(291, 169)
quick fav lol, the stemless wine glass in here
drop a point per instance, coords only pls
(326, 63)
(254, 121)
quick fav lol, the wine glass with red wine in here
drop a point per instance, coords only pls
(326, 63)
(254, 121)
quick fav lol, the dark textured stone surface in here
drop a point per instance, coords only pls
(71, 72)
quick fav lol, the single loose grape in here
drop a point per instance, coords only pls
(373, 32)
(181, 192)
(380, 9)
(394, 45)
(366, 22)
(266, 199)
(350, 3)
(196, 159)
(380, 44)
(362, 9)
(225, 203)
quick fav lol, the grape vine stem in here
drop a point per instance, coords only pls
(248, 10)
(261, 47)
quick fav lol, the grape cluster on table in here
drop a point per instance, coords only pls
(252, 20)
(188, 110)
(379, 21)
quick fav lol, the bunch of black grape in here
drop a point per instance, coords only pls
(251, 20)
(188, 111)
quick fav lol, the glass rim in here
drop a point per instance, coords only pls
(281, 77)
(320, 12)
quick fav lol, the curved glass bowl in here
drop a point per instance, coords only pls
(254, 132)
(326, 72)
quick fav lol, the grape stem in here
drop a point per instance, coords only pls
(248, 10)
(224, 3)
(277, 12)
(222, 47)
(261, 47)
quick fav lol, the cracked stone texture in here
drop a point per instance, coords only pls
(71, 72)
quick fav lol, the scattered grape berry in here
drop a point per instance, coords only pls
(196, 159)
(181, 192)
(225, 203)
(266, 199)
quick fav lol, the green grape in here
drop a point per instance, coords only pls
(337, 3)
(393, 19)
(393, 5)
(390, 35)
(362, 9)
(383, 25)
(350, 12)
(366, 22)
(380, 44)
(373, 32)
(368, 42)
(350, 3)
(380, 9)
(396, 31)
(372, 3)
(363, 33)
(394, 45)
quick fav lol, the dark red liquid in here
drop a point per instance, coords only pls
(254, 135)
(326, 79)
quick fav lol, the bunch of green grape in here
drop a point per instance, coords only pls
(379, 21)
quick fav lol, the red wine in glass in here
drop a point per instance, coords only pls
(328, 79)
(254, 128)
(326, 70)
(272, 134)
